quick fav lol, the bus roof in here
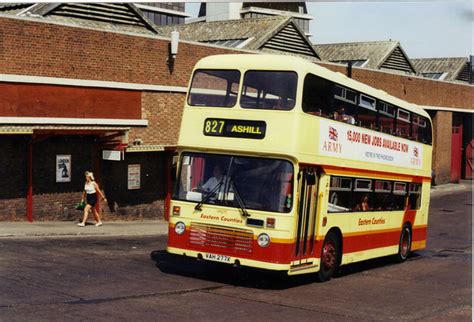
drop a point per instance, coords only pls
(301, 66)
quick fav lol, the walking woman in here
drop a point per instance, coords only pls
(91, 190)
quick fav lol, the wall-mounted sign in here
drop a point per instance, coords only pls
(133, 177)
(111, 155)
(63, 168)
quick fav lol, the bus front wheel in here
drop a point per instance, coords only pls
(330, 255)
(404, 246)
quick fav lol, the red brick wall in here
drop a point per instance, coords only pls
(414, 89)
(442, 124)
(42, 49)
(163, 112)
(68, 101)
(13, 209)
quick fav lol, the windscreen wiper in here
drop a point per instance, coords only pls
(240, 202)
(209, 195)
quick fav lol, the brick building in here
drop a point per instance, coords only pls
(77, 90)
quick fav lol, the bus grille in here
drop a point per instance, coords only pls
(219, 238)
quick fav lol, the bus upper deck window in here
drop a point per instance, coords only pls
(426, 132)
(403, 124)
(421, 129)
(216, 88)
(386, 117)
(272, 90)
(367, 114)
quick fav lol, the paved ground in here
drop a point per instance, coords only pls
(70, 229)
(104, 278)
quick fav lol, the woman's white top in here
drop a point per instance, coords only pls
(89, 187)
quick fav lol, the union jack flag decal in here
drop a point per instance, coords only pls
(332, 133)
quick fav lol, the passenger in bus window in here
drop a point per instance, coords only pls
(363, 205)
(217, 178)
(340, 115)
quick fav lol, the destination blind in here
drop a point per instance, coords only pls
(235, 128)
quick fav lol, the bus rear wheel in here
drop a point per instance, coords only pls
(404, 246)
(330, 255)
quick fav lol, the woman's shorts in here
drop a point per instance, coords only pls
(91, 199)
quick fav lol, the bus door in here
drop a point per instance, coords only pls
(308, 182)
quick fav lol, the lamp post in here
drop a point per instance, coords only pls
(173, 50)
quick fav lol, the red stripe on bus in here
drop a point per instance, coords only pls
(409, 217)
(279, 253)
(352, 244)
(284, 253)
(359, 243)
(368, 173)
(419, 234)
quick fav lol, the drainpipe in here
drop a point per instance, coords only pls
(349, 69)
(29, 195)
(471, 69)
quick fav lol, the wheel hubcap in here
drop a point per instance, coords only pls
(329, 255)
(405, 244)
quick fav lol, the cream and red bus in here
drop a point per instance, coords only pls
(286, 166)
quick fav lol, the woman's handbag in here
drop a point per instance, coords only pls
(80, 205)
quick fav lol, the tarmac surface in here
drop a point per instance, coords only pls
(24, 229)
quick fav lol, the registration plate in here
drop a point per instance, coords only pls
(217, 258)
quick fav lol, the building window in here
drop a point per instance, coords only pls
(356, 63)
(234, 43)
(433, 75)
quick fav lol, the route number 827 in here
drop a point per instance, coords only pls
(212, 126)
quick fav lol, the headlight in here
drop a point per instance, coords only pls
(179, 228)
(263, 240)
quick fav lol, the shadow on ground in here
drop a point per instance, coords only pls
(253, 278)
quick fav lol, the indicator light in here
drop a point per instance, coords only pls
(176, 210)
(270, 222)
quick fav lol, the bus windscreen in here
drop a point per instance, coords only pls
(236, 181)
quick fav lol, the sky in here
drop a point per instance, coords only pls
(425, 29)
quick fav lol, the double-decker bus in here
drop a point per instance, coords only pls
(286, 166)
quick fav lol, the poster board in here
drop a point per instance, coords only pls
(63, 168)
(133, 177)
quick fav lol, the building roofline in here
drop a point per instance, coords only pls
(388, 71)
(42, 9)
(358, 42)
(162, 10)
(275, 12)
(398, 45)
(447, 109)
